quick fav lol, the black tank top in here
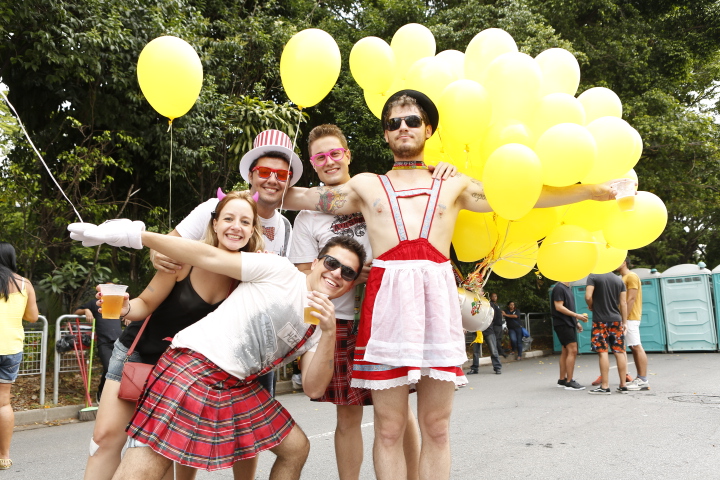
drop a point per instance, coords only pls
(179, 310)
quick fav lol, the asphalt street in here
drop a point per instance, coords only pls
(514, 425)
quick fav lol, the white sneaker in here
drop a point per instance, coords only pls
(297, 380)
(638, 384)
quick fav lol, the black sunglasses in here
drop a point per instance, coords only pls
(412, 121)
(332, 264)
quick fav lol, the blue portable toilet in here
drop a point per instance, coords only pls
(578, 289)
(687, 301)
(652, 325)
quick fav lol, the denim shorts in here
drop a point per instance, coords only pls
(117, 360)
(9, 367)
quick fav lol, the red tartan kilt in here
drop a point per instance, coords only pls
(339, 391)
(196, 414)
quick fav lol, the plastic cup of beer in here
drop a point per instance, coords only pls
(308, 318)
(112, 297)
(625, 194)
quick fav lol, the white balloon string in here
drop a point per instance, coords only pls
(297, 131)
(27, 135)
(170, 172)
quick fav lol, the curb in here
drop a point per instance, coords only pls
(54, 414)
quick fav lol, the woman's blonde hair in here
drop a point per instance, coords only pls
(256, 241)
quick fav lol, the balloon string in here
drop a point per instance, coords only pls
(170, 172)
(27, 135)
(297, 131)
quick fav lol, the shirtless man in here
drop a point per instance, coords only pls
(408, 335)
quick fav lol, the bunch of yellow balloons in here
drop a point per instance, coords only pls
(514, 122)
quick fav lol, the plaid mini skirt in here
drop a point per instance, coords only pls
(194, 413)
(339, 391)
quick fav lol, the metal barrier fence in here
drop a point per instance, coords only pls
(539, 324)
(34, 359)
(66, 362)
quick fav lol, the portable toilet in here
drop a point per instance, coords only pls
(652, 325)
(578, 290)
(687, 301)
(716, 295)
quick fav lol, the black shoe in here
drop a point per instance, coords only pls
(600, 391)
(498, 372)
(622, 390)
(573, 385)
(562, 383)
(472, 372)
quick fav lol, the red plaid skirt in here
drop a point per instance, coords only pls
(198, 415)
(339, 390)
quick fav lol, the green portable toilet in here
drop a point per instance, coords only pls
(652, 325)
(584, 337)
(687, 301)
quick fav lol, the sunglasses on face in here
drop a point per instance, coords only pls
(332, 264)
(265, 172)
(320, 159)
(412, 121)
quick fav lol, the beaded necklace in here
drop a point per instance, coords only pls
(409, 165)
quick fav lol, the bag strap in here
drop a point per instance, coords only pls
(137, 337)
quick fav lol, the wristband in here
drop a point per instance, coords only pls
(122, 317)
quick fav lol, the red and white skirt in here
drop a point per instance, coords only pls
(194, 413)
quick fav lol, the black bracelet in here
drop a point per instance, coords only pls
(122, 317)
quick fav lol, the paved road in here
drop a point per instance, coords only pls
(515, 425)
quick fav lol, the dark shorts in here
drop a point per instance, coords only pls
(607, 335)
(566, 334)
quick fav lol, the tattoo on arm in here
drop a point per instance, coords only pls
(479, 196)
(331, 199)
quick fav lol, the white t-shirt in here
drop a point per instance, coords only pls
(312, 230)
(193, 227)
(261, 320)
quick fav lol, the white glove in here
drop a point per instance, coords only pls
(117, 233)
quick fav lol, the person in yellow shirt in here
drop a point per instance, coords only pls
(632, 335)
(17, 303)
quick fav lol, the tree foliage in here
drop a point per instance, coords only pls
(70, 68)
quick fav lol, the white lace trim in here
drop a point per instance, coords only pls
(411, 379)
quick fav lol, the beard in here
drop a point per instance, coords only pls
(407, 150)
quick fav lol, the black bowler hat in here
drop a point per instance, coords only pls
(422, 100)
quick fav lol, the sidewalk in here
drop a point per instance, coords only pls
(66, 414)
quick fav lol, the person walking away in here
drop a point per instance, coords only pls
(566, 323)
(606, 297)
(17, 303)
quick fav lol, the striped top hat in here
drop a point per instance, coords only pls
(271, 141)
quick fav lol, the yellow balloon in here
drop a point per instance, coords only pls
(410, 43)
(503, 132)
(638, 227)
(632, 176)
(512, 81)
(512, 180)
(466, 157)
(617, 150)
(311, 50)
(465, 111)
(609, 258)
(588, 214)
(485, 47)
(567, 152)
(372, 64)
(474, 236)
(537, 224)
(170, 75)
(561, 71)
(516, 260)
(430, 76)
(554, 109)
(376, 101)
(567, 254)
(600, 102)
(456, 60)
